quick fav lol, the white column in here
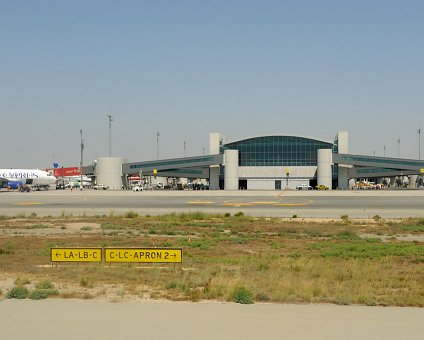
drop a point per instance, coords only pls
(324, 176)
(413, 181)
(231, 177)
(343, 141)
(109, 172)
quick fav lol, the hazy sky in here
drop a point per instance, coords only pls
(187, 68)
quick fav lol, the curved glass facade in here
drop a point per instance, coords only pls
(278, 151)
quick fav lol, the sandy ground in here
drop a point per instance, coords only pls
(76, 319)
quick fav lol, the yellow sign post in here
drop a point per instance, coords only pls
(144, 255)
(422, 171)
(76, 255)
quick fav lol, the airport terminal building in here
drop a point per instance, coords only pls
(272, 162)
(278, 161)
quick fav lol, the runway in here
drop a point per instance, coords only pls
(304, 204)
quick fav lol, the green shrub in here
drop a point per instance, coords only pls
(242, 295)
(227, 215)
(111, 226)
(345, 218)
(131, 214)
(17, 292)
(171, 285)
(44, 285)
(347, 235)
(294, 216)
(376, 218)
(86, 228)
(41, 294)
(239, 214)
(413, 228)
(21, 281)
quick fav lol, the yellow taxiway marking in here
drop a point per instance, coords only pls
(272, 203)
(278, 203)
(29, 203)
(237, 204)
(307, 202)
(290, 204)
(201, 202)
(267, 203)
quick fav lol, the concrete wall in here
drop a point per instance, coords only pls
(269, 184)
(261, 184)
(214, 178)
(109, 172)
(264, 177)
(215, 141)
(278, 172)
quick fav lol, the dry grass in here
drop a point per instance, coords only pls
(277, 260)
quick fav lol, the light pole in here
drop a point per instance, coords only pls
(384, 151)
(419, 144)
(184, 148)
(203, 151)
(110, 134)
(157, 144)
(398, 141)
(82, 153)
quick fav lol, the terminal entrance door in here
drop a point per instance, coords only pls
(277, 185)
(243, 184)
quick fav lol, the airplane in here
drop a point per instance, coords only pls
(18, 178)
(74, 182)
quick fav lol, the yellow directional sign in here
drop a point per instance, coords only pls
(76, 255)
(145, 255)
(422, 170)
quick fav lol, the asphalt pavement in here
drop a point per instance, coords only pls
(304, 204)
(78, 319)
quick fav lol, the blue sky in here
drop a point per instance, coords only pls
(187, 68)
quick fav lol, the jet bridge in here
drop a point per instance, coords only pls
(372, 166)
(191, 167)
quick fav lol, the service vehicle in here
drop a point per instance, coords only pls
(100, 187)
(304, 187)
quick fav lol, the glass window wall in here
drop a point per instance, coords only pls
(278, 151)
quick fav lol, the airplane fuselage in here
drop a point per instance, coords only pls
(28, 176)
